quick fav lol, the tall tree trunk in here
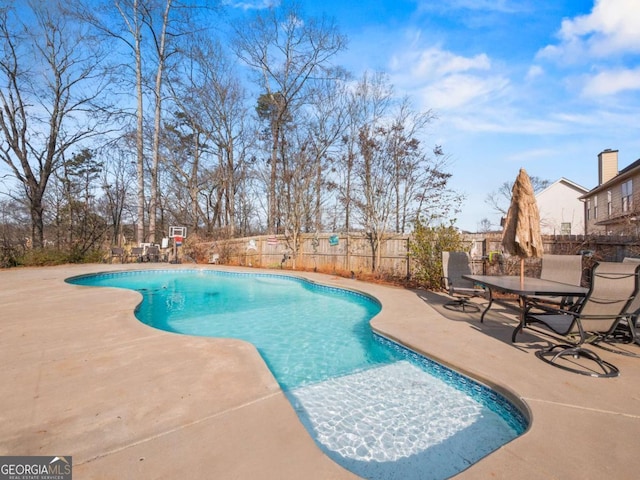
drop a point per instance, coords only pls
(153, 201)
(273, 180)
(193, 182)
(318, 207)
(230, 191)
(37, 224)
(139, 144)
(135, 31)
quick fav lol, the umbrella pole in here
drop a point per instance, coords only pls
(521, 272)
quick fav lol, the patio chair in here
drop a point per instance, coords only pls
(153, 253)
(627, 330)
(117, 252)
(454, 265)
(613, 288)
(136, 254)
(634, 308)
(563, 269)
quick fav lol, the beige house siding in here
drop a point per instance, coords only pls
(561, 208)
(613, 220)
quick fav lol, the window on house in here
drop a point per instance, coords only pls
(595, 207)
(565, 228)
(588, 209)
(609, 205)
(627, 196)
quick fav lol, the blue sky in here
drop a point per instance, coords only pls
(544, 85)
(540, 84)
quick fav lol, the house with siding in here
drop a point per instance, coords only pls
(613, 207)
(561, 210)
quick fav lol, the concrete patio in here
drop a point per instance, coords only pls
(82, 377)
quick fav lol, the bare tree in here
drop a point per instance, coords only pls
(78, 229)
(484, 226)
(149, 29)
(374, 204)
(500, 199)
(296, 202)
(327, 120)
(117, 183)
(184, 140)
(14, 231)
(363, 187)
(210, 95)
(287, 52)
(395, 180)
(160, 35)
(435, 202)
(131, 15)
(50, 88)
(407, 157)
(123, 21)
(368, 101)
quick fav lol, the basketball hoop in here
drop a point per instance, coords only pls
(178, 234)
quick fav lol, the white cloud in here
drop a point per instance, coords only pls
(456, 91)
(612, 81)
(534, 72)
(511, 122)
(444, 80)
(612, 27)
(434, 62)
(588, 119)
(533, 154)
(503, 6)
(251, 4)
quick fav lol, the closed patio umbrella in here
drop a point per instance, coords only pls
(521, 233)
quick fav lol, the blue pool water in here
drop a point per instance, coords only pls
(374, 407)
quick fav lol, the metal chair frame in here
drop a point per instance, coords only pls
(613, 289)
(454, 265)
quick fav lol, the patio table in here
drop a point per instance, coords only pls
(523, 287)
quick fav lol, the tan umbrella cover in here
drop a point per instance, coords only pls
(521, 233)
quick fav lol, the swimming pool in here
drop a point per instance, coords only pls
(376, 408)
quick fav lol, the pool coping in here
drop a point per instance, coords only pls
(127, 401)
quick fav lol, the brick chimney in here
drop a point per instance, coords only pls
(607, 165)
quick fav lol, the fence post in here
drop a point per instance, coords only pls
(348, 253)
(408, 257)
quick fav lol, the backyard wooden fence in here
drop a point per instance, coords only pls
(337, 252)
(352, 252)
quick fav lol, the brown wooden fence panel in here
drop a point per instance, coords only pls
(341, 252)
(323, 252)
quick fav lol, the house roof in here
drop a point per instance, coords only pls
(630, 167)
(626, 172)
(568, 183)
(629, 217)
